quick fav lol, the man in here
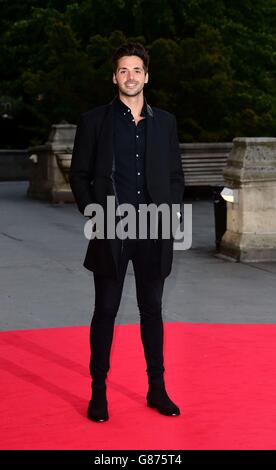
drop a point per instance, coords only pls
(129, 150)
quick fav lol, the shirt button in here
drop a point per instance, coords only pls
(137, 154)
(138, 192)
(138, 210)
(138, 173)
(137, 136)
(128, 110)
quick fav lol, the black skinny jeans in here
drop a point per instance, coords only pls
(108, 294)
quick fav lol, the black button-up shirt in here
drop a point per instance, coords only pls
(129, 156)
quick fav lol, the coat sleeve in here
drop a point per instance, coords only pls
(81, 170)
(176, 172)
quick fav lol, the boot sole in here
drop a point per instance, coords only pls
(150, 405)
(97, 420)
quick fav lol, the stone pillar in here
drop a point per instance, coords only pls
(251, 219)
(50, 165)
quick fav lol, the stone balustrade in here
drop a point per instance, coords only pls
(50, 165)
(251, 218)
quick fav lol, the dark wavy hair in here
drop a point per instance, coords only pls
(131, 48)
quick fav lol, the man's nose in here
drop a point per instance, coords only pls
(130, 75)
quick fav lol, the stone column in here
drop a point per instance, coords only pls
(251, 219)
(50, 165)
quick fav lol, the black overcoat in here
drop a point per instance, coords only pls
(91, 180)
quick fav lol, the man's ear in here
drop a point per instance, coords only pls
(114, 78)
(147, 78)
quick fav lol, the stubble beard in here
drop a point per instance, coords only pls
(126, 92)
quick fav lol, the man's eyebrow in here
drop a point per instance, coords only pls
(135, 68)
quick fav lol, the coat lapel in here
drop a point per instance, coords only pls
(149, 142)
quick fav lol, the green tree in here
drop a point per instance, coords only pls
(212, 62)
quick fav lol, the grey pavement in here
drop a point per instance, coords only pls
(43, 283)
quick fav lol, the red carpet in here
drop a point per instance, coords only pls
(223, 377)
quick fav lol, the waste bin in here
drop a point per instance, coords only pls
(220, 213)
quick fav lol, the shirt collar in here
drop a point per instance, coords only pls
(125, 110)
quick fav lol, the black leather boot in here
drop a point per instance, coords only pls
(97, 408)
(157, 397)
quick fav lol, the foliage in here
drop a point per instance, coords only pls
(212, 63)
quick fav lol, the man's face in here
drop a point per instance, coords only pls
(130, 75)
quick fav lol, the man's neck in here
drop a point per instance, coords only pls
(135, 103)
